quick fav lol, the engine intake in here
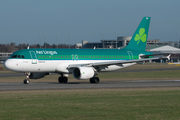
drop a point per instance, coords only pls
(83, 73)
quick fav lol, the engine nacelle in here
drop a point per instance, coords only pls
(37, 75)
(83, 73)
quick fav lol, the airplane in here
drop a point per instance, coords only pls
(82, 63)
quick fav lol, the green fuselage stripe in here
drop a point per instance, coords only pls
(84, 57)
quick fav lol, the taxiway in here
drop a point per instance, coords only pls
(84, 85)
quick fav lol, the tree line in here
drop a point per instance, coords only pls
(12, 47)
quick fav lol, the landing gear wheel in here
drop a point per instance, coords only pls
(63, 79)
(94, 80)
(60, 79)
(91, 80)
(26, 81)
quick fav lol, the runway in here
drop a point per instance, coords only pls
(87, 85)
(122, 70)
(83, 85)
(11, 75)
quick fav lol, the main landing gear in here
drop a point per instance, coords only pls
(62, 79)
(94, 80)
(26, 81)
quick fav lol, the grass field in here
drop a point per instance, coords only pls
(88, 104)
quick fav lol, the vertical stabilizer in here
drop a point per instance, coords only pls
(139, 39)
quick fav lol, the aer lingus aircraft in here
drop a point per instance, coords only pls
(82, 63)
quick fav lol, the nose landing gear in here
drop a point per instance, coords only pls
(26, 81)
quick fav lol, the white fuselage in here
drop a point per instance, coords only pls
(59, 66)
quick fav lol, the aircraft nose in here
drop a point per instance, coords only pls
(9, 64)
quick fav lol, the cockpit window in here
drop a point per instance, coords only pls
(17, 56)
(14, 56)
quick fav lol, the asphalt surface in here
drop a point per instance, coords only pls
(83, 85)
(141, 70)
(11, 75)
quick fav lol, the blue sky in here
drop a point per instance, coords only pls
(23, 20)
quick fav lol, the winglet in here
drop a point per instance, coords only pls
(168, 57)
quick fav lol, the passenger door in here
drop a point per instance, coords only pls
(33, 57)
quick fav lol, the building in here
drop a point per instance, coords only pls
(122, 42)
(4, 57)
(152, 45)
(175, 52)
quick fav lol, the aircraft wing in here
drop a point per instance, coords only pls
(111, 62)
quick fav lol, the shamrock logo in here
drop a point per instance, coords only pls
(141, 36)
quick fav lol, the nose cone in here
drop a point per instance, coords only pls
(10, 65)
(7, 64)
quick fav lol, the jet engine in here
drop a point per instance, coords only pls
(83, 73)
(37, 75)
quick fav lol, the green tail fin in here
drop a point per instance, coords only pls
(139, 39)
